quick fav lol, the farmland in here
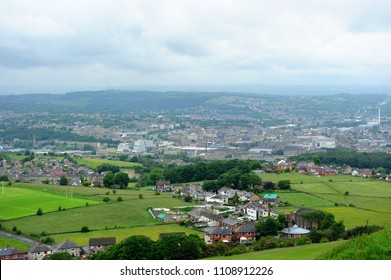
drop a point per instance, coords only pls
(367, 201)
(95, 162)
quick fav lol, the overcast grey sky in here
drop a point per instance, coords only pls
(76, 44)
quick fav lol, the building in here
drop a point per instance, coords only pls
(295, 232)
(10, 253)
(39, 251)
(70, 248)
(99, 244)
(271, 198)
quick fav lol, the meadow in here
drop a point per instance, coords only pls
(305, 252)
(95, 162)
(19, 202)
(355, 200)
(367, 202)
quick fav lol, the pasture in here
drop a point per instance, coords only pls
(355, 200)
(18, 202)
(152, 231)
(367, 201)
(305, 252)
(14, 243)
(95, 162)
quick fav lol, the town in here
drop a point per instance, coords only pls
(222, 168)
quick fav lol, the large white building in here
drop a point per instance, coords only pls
(123, 148)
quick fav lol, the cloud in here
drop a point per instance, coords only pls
(146, 41)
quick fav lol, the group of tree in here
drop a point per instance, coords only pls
(170, 247)
(323, 225)
(118, 180)
(209, 170)
(354, 159)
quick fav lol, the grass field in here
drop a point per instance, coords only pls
(18, 202)
(131, 212)
(95, 162)
(151, 231)
(6, 241)
(305, 252)
(369, 202)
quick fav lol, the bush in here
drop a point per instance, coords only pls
(303, 241)
(39, 212)
(140, 196)
(157, 193)
(119, 198)
(106, 199)
(85, 229)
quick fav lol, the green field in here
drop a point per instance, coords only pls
(127, 216)
(95, 162)
(10, 242)
(305, 252)
(18, 202)
(368, 201)
(151, 231)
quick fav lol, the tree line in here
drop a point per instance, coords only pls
(345, 157)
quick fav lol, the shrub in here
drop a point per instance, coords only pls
(346, 193)
(303, 241)
(39, 212)
(140, 196)
(106, 199)
(119, 198)
(85, 229)
(157, 193)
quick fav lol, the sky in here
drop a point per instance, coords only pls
(49, 45)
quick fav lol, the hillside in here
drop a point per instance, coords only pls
(376, 246)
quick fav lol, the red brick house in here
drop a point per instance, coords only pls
(10, 253)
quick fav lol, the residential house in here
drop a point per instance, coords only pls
(209, 217)
(70, 248)
(99, 244)
(230, 223)
(39, 251)
(221, 199)
(245, 232)
(163, 186)
(223, 234)
(10, 253)
(272, 199)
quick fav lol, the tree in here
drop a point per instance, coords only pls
(210, 186)
(250, 180)
(235, 198)
(63, 181)
(267, 227)
(39, 212)
(121, 180)
(136, 247)
(60, 256)
(107, 167)
(284, 184)
(269, 185)
(85, 229)
(108, 180)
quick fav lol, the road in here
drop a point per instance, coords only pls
(18, 237)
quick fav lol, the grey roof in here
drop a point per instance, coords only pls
(221, 231)
(229, 221)
(67, 245)
(247, 227)
(40, 248)
(103, 241)
(211, 216)
(9, 251)
(295, 230)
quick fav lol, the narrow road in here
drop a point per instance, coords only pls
(18, 237)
